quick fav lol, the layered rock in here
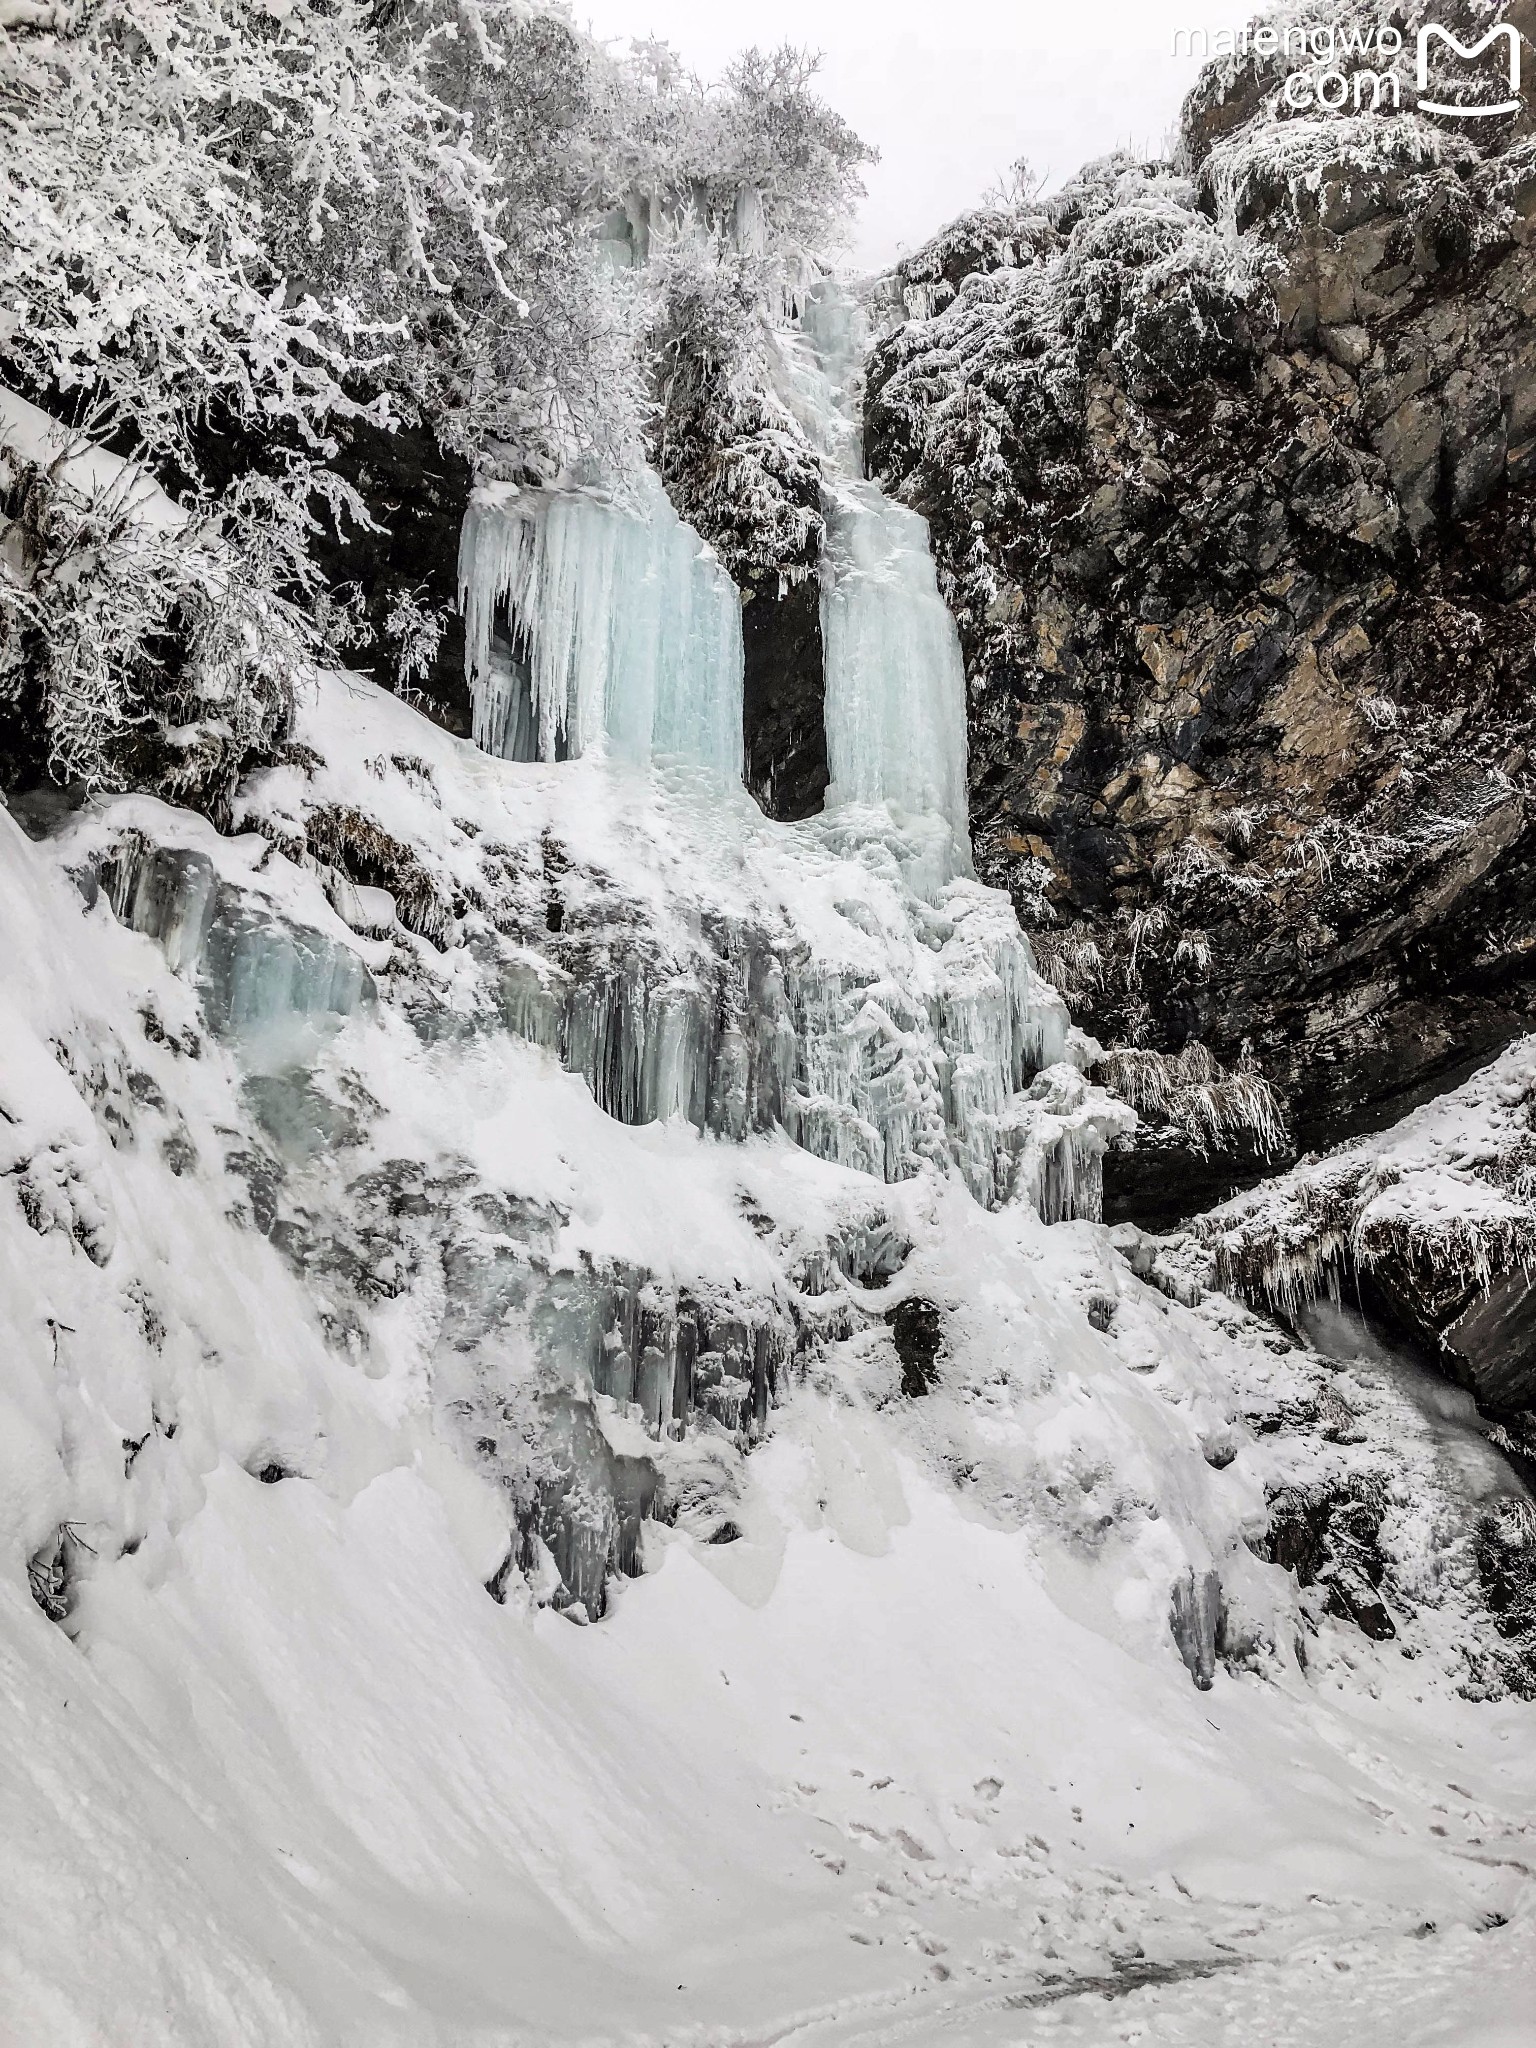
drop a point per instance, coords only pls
(1231, 469)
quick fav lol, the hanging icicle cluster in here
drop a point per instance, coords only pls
(620, 627)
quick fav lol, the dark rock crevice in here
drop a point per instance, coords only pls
(784, 700)
(917, 1331)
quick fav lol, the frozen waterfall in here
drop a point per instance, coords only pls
(623, 628)
(895, 678)
(598, 619)
(595, 618)
(895, 684)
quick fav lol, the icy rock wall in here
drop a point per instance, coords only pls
(902, 1034)
(249, 1252)
(695, 965)
(597, 1321)
(967, 1066)
(254, 972)
(623, 633)
(566, 1386)
(590, 1394)
(1434, 1214)
(624, 629)
(594, 1401)
(941, 1047)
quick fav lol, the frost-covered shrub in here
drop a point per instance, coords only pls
(759, 158)
(1071, 960)
(415, 631)
(735, 461)
(165, 160)
(1191, 1092)
(978, 414)
(726, 200)
(285, 213)
(525, 337)
(1007, 237)
(133, 652)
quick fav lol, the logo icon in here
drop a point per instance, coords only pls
(1469, 51)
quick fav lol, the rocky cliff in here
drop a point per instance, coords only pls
(1231, 468)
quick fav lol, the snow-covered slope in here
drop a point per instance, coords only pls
(403, 1256)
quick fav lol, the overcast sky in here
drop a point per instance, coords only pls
(952, 91)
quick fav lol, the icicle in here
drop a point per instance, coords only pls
(895, 676)
(1058, 1132)
(255, 974)
(625, 628)
(833, 323)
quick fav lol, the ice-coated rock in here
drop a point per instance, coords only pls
(254, 971)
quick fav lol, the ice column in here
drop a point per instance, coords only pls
(625, 628)
(895, 678)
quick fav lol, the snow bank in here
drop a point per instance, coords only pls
(351, 1346)
(101, 479)
(1447, 1191)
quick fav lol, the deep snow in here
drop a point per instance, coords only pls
(915, 1758)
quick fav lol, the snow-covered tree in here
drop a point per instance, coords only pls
(141, 251)
(730, 198)
(138, 646)
(238, 238)
(733, 457)
(758, 161)
(229, 228)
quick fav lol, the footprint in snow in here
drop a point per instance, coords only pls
(911, 1846)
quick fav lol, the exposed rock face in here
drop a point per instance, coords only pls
(1239, 535)
(740, 469)
(784, 700)
(1492, 1340)
(418, 492)
(1330, 1538)
(917, 1331)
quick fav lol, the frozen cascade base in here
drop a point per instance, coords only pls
(908, 1754)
